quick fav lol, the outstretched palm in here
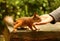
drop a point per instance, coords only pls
(44, 19)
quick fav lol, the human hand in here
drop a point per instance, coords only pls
(46, 18)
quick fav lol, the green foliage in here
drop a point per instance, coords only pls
(21, 8)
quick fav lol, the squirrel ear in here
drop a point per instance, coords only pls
(35, 13)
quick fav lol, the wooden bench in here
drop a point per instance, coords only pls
(25, 35)
(28, 35)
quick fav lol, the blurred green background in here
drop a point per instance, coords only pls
(21, 8)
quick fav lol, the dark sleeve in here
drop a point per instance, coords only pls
(55, 15)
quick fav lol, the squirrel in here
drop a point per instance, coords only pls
(27, 21)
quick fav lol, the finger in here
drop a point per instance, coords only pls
(41, 23)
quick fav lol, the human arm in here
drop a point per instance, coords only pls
(52, 17)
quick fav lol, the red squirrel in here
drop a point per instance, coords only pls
(27, 21)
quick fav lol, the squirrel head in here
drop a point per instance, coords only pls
(36, 17)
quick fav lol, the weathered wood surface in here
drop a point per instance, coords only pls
(45, 34)
(35, 36)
